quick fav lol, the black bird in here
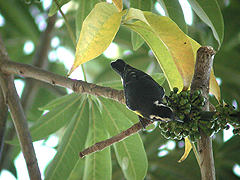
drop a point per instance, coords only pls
(143, 95)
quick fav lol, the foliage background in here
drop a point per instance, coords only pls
(24, 21)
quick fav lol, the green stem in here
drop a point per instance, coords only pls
(67, 24)
(70, 33)
(196, 153)
(84, 73)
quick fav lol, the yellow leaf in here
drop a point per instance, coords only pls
(180, 47)
(160, 51)
(188, 148)
(135, 14)
(98, 30)
(118, 4)
(177, 42)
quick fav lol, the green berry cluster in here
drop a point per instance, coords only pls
(187, 108)
(226, 114)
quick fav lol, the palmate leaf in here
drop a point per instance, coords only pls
(72, 142)
(59, 101)
(98, 31)
(55, 119)
(130, 152)
(97, 165)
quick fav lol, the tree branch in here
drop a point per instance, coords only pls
(31, 87)
(20, 124)
(200, 81)
(40, 60)
(108, 142)
(19, 119)
(3, 120)
(58, 80)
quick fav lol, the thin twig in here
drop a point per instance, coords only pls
(67, 24)
(115, 139)
(78, 86)
(200, 81)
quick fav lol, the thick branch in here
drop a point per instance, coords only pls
(18, 117)
(20, 124)
(58, 80)
(31, 87)
(200, 81)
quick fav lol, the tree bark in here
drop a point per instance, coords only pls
(200, 81)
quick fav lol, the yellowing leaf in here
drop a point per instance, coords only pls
(177, 42)
(98, 30)
(118, 4)
(135, 14)
(188, 148)
(174, 47)
(160, 51)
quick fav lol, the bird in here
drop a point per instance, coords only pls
(143, 95)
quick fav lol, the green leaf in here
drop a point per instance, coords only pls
(55, 119)
(98, 31)
(54, 8)
(174, 10)
(42, 97)
(97, 165)
(84, 8)
(59, 101)
(77, 171)
(130, 152)
(144, 5)
(136, 40)
(72, 143)
(210, 13)
(159, 78)
(18, 16)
